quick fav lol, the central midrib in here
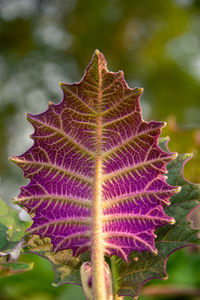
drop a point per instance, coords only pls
(98, 281)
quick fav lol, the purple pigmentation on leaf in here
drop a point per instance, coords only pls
(99, 119)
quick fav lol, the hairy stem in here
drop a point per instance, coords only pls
(98, 278)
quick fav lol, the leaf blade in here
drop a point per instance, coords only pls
(143, 267)
(94, 148)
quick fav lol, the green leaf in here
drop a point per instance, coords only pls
(130, 277)
(12, 241)
(3, 236)
(66, 266)
(13, 268)
(9, 217)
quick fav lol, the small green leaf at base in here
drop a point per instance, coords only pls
(65, 266)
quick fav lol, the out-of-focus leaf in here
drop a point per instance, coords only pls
(9, 217)
(12, 241)
(130, 277)
(3, 236)
(13, 249)
(13, 268)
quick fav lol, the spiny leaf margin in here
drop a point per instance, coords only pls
(144, 266)
(159, 262)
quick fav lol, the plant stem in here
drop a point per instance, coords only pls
(98, 277)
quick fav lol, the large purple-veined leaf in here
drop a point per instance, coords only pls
(130, 277)
(95, 169)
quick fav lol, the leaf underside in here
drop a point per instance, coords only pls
(98, 123)
(130, 277)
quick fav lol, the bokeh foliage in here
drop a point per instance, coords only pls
(156, 44)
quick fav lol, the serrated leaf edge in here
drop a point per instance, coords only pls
(190, 155)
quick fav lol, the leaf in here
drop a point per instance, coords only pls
(13, 268)
(65, 265)
(3, 235)
(12, 241)
(130, 277)
(13, 249)
(143, 267)
(95, 169)
(12, 231)
(9, 218)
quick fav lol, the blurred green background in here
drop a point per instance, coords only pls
(157, 45)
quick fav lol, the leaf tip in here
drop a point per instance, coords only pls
(155, 252)
(98, 60)
(178, 189)
(172, 221)
(97, 52)
(54, 284)
(28, 117)
(139, 91)
(12, 159)
(15, 200)
(164, 124)
(174, 155)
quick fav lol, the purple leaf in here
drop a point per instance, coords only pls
(142, 267)
(94, 157)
